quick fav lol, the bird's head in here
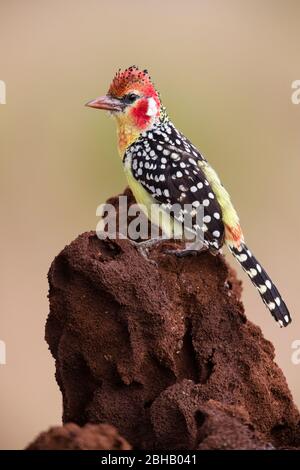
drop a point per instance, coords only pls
(133, 100)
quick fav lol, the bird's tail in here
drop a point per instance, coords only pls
(268, 291)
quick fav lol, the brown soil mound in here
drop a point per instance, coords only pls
(72, 437)
(162, 350)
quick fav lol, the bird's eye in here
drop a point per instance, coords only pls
(131, 98)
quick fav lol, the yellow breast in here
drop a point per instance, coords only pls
(127, 133)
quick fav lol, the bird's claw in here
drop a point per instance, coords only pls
(144, 248)
(182, 253)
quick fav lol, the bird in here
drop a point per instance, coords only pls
(164, 168)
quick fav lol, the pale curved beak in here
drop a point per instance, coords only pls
(106, 102)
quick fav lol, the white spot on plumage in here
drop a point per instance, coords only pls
(262, 288)
(258, 267)
(272, 306)
(205, 202)
(252, 272)
(193, 189)
(217, 215)
(207, 219)
(242, 258)
(268, 284)
(179, 174)
(277, 300)
(152, 107)
(216, 233)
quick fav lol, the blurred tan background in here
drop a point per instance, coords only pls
(224, 69)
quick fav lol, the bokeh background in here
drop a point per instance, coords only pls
(224, 69)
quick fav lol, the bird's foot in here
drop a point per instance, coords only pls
(144, 247)
(192, 249)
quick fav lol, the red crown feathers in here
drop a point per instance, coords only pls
(132, 79)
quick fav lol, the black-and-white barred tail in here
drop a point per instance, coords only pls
(268, 291)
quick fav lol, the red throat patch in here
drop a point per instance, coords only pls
(139, 114)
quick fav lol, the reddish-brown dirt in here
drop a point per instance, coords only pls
(72, 437)
(162, 349)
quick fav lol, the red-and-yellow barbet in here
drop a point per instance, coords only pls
(164, 168)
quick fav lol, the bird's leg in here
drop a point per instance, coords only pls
(190, 249)
(143, 247)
